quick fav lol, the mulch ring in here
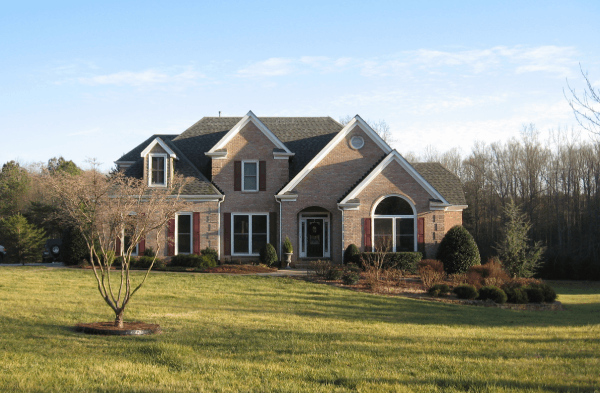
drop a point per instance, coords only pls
(109, 328)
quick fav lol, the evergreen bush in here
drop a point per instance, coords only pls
(211, 252)
(352, 254)
(466, 291)
(493, 293)
(149, 252)
(287, 246)
(458, 250)
(192, 260)
(350, 277)
(439, 289)
(74, 247)
(516, 295)
(334, 274)
(535, 295)
(268, 255)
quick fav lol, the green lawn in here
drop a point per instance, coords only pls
(264, 334)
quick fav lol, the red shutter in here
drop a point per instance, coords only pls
(196, 233)
(262, 176)
(171, 238)
(421, 235)
(367, 227)
(141, 246)
(237, 176)
(118, 247)
(227, 233)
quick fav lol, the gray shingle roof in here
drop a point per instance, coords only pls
(305, 136)
(444, 181)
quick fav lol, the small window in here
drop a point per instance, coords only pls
(158, 169)
(357, 142)
(128, 233)
(184, 234)
(249, 176)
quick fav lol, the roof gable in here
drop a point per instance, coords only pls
(250, 117)
(161, 143)
(394, 156)
(357, 121)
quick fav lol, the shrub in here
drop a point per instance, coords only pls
(334, 274)
(211, 252)
(351, 267)
(319, 267)
(439, 289)
(466, 291)
(352, 254)
(458, 250)
(516, 295)
(287, 246)
(149, 252)
(74, 247)
(191, 260)
(535, 295)
(405, 261)
(491, 273)
(268, 255)
(350, 277)
(144, 262)
(431, 272)
(548, 292)
(493, 293)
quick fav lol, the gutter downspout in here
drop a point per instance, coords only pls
(219, 226)
(280, 207)
(342, 210)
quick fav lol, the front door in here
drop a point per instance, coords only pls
(314, 238)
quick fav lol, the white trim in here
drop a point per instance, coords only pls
(204, 198)
(395, 156)
(287, 198)
(302, 236)
(250, 117)
(166, 174)
(233, 253)
(135, 252)
(217, 155)
(356, 121)
(278, 155)
(257, 175)
(176, 234)
(162, 144)
(414, 217)
(349, 206)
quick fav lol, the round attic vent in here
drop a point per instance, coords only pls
(357, 142)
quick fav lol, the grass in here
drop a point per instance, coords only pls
(249, 333)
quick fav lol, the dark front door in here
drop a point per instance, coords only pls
(314, 238)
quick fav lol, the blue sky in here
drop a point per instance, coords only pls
(94, 79)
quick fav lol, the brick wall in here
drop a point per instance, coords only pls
(326, 183)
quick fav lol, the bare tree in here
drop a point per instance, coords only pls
(380, 127)
(587, 106)
(106, 210)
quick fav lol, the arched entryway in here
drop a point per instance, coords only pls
(314, 233)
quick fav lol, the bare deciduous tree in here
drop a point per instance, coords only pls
(587, 106)
(106, 210)
(380, 127)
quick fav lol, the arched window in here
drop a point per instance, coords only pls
(394, 223)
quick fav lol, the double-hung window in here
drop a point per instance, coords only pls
(249, 175)
(157, 170)
(250, 233)
(184, 233)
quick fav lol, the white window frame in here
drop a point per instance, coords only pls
(326, 217)
(250, 215)
(393, 217)
(257, 175)
(191, 215)
(135, 252)
(165, 158)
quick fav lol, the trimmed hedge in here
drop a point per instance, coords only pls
(268, 255)
(405, 261)
(493, 293)
(466, 291)
(439, 289)
(535, 295)
(516, 295)
(210, 252)
(144, 262)
(191, 260)
(458, 250)
(352, 254)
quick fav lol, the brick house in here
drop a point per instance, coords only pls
(324, 185)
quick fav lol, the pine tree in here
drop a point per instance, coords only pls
(25, 242)
(520, 258)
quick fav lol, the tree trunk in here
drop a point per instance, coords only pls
(119, 318)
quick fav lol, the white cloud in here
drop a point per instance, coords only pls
(142, 78)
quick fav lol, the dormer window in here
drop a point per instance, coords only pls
(250, 176)
(157, 170)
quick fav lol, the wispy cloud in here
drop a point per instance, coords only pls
(550, 59)
(141, 78)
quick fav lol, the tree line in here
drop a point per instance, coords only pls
(555, 183)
